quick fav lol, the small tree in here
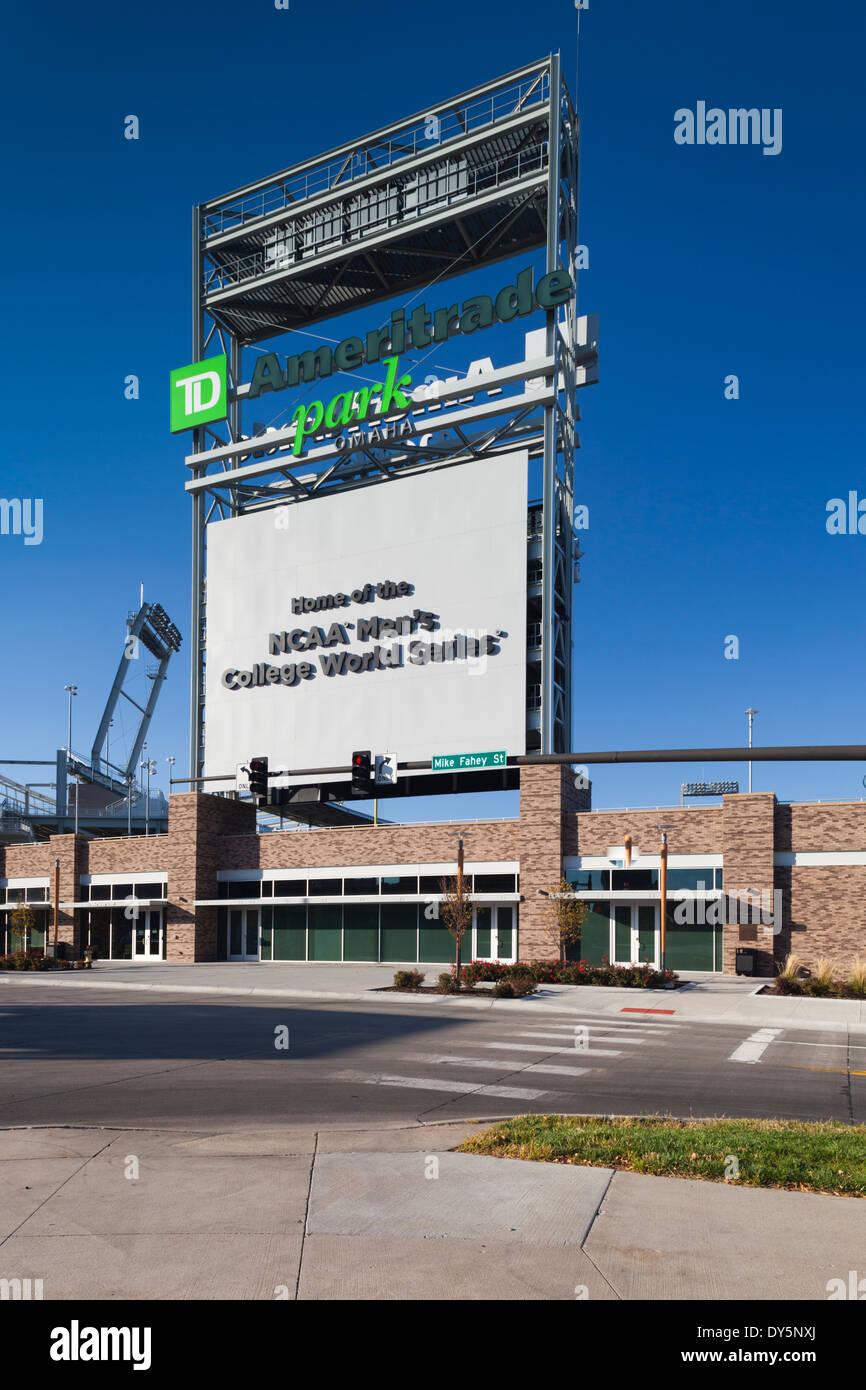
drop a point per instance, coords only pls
(456, 911)
(21, 923)
(565, 915)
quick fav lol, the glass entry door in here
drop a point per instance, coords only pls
(634, 934)
(494, 932)
(147, 936)
(243, 933)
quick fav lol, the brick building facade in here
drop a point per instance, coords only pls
(750, 874)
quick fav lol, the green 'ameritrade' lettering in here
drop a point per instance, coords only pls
(418, 330)
(352, 406)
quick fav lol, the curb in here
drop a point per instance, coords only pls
(547, 1006)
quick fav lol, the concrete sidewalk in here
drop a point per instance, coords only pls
(392, 1214)
(708, 999)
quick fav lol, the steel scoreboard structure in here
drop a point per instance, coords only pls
(488, 176)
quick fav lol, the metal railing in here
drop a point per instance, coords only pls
(507, 170)
(430, 133)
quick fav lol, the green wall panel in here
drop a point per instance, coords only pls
(325, 931)
(290, 933)
(360, 931)
(399, 932)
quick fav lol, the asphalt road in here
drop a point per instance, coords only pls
(117, 1059)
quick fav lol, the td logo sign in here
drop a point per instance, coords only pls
(199, 394)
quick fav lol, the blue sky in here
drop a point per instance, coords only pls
(707, 516)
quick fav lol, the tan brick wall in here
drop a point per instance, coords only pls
(824, 913)
(198, 827)
(749, 828)
(403, 844)
(545, 793)
(824, 905)
(695, 830)
(817, 826)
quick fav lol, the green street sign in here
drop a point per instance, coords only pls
(468, 762)
(199, 394)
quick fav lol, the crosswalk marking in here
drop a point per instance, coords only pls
(543, 1052)
(756, 1044)
(434, 1084)
(560, 1037)
(494, 1065)
(541, 1047)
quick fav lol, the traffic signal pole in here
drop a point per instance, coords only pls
(798, 753)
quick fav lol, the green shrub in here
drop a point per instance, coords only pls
(523, 985)
(504, 989)
(408, 979)
(577, 972)
(448, 983)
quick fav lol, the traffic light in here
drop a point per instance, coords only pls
(361, 773)
(259, 779)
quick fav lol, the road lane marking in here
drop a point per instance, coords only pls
(540, 1047)
(843, 1071)
(753, 1049)
(493, 1064)
(559, 1037)
(420, 1083)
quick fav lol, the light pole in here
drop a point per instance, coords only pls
(130, 783)
(70, 690)
(458, 935)
(750, 715)
(663, 889)
(77, 785)
(107, 746)
(148, 766)
(171, 762)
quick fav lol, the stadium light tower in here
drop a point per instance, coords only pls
(750, 715)
(70, 690)
(148, 766)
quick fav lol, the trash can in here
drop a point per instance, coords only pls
(745, 961)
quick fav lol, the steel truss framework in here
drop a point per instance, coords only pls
(478, 179)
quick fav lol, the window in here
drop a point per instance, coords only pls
(431, 883)
(239, 888)
(589, 880)
(494, 883)
(693, 880)
(360, 887)
(326, 888)
(290, 887)
(635, 880)
(36, 895)
(399, 885)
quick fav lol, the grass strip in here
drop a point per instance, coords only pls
(802, 1157)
